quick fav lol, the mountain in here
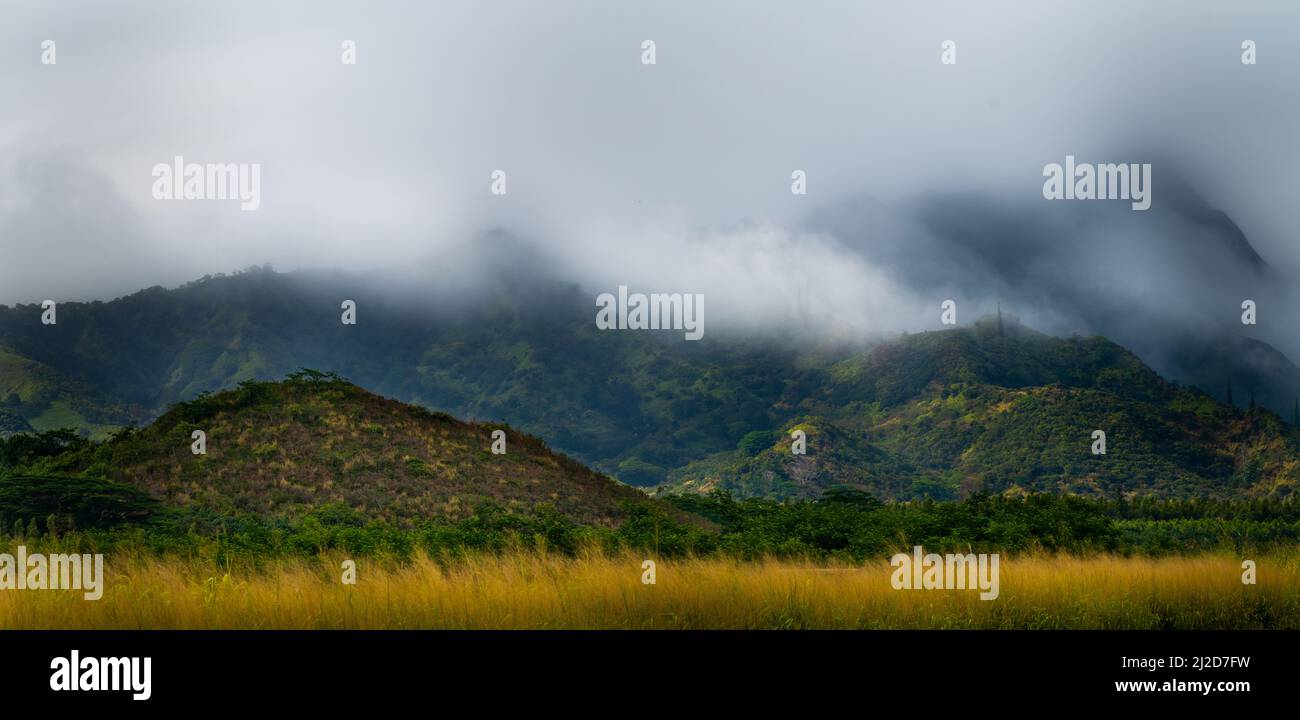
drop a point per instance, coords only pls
(1167, 283)
(279, 449)
(1253, 368)
(938, 414)
(527, 354)
(34, 396)
(998, 407)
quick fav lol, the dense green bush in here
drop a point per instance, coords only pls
(74, 502)
(846, 524)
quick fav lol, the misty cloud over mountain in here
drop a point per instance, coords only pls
(924, 180)
(1162, 282)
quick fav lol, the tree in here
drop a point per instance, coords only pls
(848, 495)
(635, 471)
(757, 441)
(1229, 392)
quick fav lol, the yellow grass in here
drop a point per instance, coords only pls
(526, 590)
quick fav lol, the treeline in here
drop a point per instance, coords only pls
(22, 448)
(91, 516)
(852, 524)
(250, 538)
(1151, 508)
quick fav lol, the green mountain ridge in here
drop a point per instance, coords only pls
(1003, 409)
(936, 414)
(527, 355)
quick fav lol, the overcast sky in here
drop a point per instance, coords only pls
(674, 176)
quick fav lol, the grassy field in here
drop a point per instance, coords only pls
(595, 590)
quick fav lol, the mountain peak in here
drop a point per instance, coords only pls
(1012, 356)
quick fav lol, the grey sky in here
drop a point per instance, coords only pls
(672, 177)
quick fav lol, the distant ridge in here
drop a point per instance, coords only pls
(948, 413)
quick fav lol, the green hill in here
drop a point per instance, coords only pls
(34, 396)
(945, 414)
(279, 449)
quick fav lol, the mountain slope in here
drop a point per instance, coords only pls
(948, 413)
(282, 448)
(631, 404)
(34, 396)
(1167, 283)
(649, 408)
(1255, 370)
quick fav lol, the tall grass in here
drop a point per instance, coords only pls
(598, 590)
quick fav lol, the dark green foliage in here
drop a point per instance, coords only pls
(27, 448)
(88, 502)
(310, 375)
(757, 441)
(635, 471)
(847, 525)
(850, 496)
(647, 527)
(853, 527)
